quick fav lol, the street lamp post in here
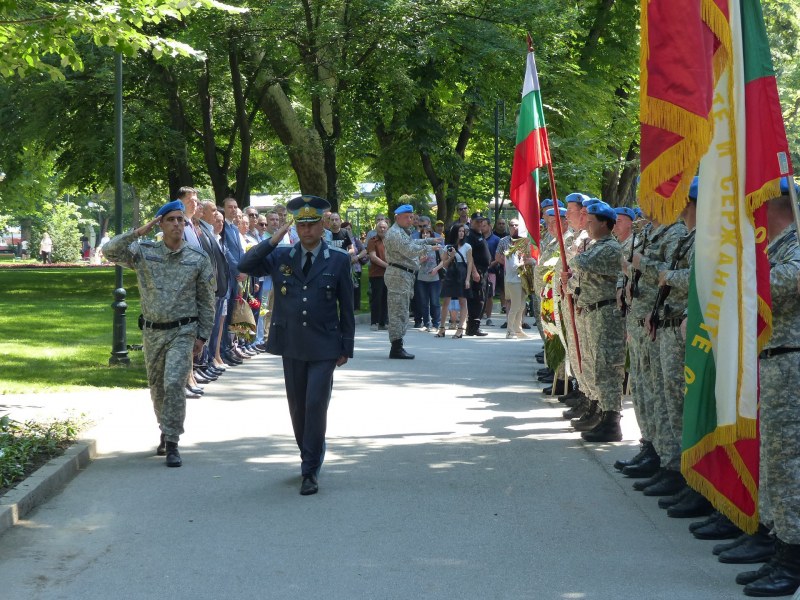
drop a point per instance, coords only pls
(119, 347)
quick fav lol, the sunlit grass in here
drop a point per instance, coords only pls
(56, 330)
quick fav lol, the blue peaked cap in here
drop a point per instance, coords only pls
(169, 207)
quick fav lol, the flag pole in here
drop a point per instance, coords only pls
(783, 163)
(560, 232)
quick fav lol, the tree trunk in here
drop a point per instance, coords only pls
(242, 193)
(178, 171)
(216, 172)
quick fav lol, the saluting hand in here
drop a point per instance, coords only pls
(282, 231)
(145, 229)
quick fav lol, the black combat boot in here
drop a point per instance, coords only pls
(784, 578)
(589, 420)
(161, 449)
(607, 430)
(693, 504)
(173, 456)
(397, 350)
(645, 448)
(750, 576)
(578, 410)
(757, 548)
(646, 467)
(654, 478)
(719, 528)
(666, 502)
(670, 483)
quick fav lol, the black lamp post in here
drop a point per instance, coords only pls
(119, 347)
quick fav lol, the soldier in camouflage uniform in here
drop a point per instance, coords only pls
(663, 242)
(779, 416)
(176, 285)
(547, 259)
(403, 255)
(603, 353)
(574, 240)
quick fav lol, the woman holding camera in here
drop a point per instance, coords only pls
(457, 261)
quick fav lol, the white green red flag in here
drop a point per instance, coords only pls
(532, 151)
(729, 310)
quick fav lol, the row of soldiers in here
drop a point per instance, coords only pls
(627, 279)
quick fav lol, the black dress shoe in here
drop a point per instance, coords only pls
(525, 325)
(173, 456)
(759, 548)
(721, 528)
(309, 485)
(261, 347)
(647, 467)
(654, 478)
(671, 483)
(194, 390)
(205, 374)
(200, 380)
(694, 504)
(670, 501)
(478, 332)
(161, 449)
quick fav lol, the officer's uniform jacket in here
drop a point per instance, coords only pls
(312, 317)
(173, 284)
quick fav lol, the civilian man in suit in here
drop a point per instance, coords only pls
(233, 253)
(312, 327)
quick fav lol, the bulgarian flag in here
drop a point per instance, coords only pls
(729, 309)
(532, 151)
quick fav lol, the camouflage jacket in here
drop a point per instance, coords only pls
(784, 260)
(678, 278)
(596, 271)
(173, 284)
(662, 242)
(402, 250)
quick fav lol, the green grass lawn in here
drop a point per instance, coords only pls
(55, 330)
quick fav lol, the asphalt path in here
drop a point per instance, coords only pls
(447, 476)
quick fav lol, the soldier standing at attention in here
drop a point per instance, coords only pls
(402, 256)
(176, 284)
(603, 356)
(312, 327)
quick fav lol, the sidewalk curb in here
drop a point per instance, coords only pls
(44, 482)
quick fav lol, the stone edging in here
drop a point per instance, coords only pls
(35, 489)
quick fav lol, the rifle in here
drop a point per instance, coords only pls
(664, 290)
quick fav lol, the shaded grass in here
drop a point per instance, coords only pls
(56, 330)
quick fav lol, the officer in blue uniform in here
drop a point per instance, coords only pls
(313, 325)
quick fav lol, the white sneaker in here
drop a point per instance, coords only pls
(522, 335)
(374, 327)
(510, 336)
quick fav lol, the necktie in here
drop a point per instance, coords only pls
(307, 265)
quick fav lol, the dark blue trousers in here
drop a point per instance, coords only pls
(308, 389)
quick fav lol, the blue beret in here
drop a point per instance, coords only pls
(576, 197)
(785, 186)
(589, 201)
(403, 209)
(169, 207)
(693, 188)
(307, 209)
(624, 210)
(638, 212)
(551, 213)
(547, 202)
(601, 209)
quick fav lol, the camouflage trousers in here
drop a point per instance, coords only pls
(779, 471)
(672, 349)
(399, 292)
(572, 351)
(639, 350)
(657, 402)
(168, 360)
(604, 355)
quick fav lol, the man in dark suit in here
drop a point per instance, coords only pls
(233, 253)
(312, 327)
(481, 258)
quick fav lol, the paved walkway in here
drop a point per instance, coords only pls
(448, 476)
